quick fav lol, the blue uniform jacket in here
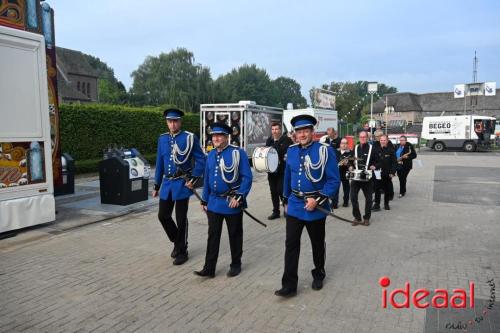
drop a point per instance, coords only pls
(166, 167)
(296, 179)
(214, 186)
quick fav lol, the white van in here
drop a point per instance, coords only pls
(326, 118)
(467, 132)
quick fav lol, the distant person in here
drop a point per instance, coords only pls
(367, 159)
(332, 138)
(343, 162)
(280, 142)
(405, 153)
(387, 165)
(365, 128)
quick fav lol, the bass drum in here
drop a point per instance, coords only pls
(265, 159)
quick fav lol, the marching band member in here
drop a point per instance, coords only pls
(311, 177)
(343, 156)
(178, 150)
(227, 182)
(281, 143)
(331, 138)
(405, 154)
(367, 159)
(387, 165)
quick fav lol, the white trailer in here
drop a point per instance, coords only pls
(26, 181)
(326, 118)
(467, 132)
(250, 123)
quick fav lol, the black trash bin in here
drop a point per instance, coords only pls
(68, 176)
(123, 177)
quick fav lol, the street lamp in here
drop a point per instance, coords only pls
(372, 89)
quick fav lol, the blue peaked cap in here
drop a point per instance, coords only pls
(220, 128)
(173, 114)
(303, 121)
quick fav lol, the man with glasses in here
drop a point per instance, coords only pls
(367, 158)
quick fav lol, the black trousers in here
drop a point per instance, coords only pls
(383, 185)
(276, 187)
(177, 233)
(402, 175)
(367, 188)
(234, 225)
(316, 231)
(346, 188)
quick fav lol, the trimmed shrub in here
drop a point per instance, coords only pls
(88, 129)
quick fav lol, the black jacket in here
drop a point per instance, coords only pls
(387, 161)
(334, 143)
(408, 162)
(281, 147)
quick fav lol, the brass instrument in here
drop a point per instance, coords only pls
(344, 161)
(400, 160)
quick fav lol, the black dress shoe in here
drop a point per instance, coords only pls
(286, 292)
(174, 253)
(205, 273)
(335, 206)
(181, 258)
(233, 271)
(386, 207)
(317, 284)
(345, 204)
(376, 208)
(401, 195)
(273, 216)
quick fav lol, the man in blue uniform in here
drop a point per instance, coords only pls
(227, 182)
(179, 163)
(311, 177)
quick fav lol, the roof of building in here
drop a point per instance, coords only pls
(434, 102)
(74, 62)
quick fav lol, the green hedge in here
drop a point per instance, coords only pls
(88, 129)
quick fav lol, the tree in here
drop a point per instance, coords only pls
(172, 78)
(109, 89)
(287, 90)
(112, 92)
(245, 83)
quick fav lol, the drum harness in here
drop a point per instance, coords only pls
(367, 158)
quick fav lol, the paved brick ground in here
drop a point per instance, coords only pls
(117, 276)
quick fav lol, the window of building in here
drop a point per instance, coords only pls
(83, 88)
(88, 89)
(78, 85)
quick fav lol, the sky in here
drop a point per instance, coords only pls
(415, 46)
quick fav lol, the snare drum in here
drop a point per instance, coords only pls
(265, 159)
(359, 175)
